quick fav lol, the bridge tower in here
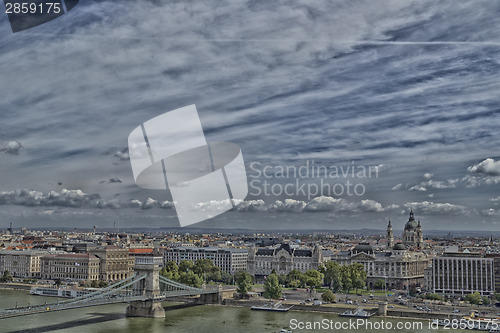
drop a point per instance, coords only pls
(150, 287)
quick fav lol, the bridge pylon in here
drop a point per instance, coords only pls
(149, 286)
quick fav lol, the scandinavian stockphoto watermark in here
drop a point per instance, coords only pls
(26, 14)
(170, 152)
(310, 179)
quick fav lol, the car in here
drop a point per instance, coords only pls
(456, 311)
(308, 300)
(391, 307)
(349, 301)
(364, 300)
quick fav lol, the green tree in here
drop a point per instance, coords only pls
(345, 273)
(103, 284)
(204, 266)
(314, 279)
(244, 282)
(94, 284)
(379, 284)
(295, 279)
(191, 279)
(434, 297)
(333, 278)
(358, 275)
(485, 300)
(6, 277)
(185, 266)
(497, 296)
(170, 271)
(272, 287)
(474, 298)
(227, 278)
(328, 296)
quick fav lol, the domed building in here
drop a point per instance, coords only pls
(413, 237)
(412, 234)
(401, 265)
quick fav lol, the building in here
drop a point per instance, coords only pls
(73, 266)
(412, 234)
(401, 268)
(228, 260)
(390, 236)
(283, 259)
(115, 263)
(25, 264)
(401, 265)
(463, 273)
(496, 269)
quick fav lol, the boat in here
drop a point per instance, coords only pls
(474, 321)
(357, 313)
(58, 292)
(278, 307)
(285, 331)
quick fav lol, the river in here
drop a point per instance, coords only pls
(202, 319)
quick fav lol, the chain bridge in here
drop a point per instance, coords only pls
(144, 291)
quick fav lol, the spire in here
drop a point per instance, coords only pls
(419, 224)
(411, 215)
(389, 226)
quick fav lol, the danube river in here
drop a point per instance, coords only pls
(203, 319)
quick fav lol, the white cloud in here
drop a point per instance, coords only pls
(495, 199)
(488, 167)
(417, 188)
(489, 212)
(432, 208)
(428, 175)
(397, 187)
(11, 147)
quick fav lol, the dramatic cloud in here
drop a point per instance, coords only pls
(408, 86)
(74, 199)
(316, 205)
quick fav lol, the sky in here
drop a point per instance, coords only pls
(406, 89)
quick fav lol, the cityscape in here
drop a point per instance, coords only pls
(410, 274)
(249, 166)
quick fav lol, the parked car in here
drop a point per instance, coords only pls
(349, 301)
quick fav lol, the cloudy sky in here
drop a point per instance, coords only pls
(407, 88)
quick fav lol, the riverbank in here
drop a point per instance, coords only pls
(340, 308)
(15, 286)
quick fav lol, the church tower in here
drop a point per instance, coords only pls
(420, 236)
(390, 236)
(412, 234)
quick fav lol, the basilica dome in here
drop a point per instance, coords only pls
(411, 224)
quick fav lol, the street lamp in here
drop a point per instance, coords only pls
(385, 285)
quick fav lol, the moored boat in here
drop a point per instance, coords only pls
(278, 307)
(357, 313)
(58, 292)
